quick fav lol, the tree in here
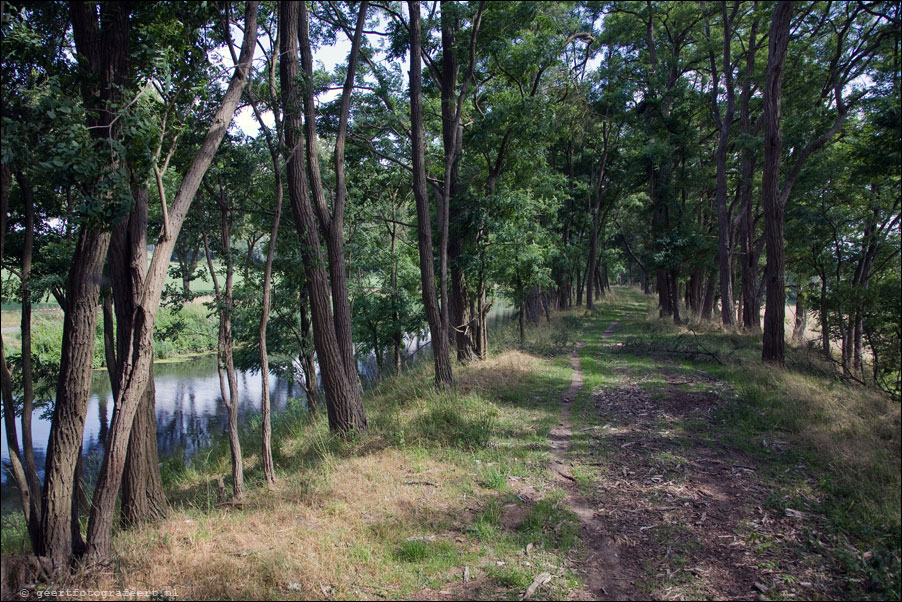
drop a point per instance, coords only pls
(385, 288)
(441, 350)
(343, 402)
(224, 304)
(521, 261)
(103, 42)
(723, 123)
(137, 361)
(853, 35)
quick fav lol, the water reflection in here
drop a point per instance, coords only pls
(189, 409)
(190, 413)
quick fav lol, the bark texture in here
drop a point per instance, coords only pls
(136, 364)
(103, 41)
(142, 486)
(774, 313)
(441, 349)
(343, 403)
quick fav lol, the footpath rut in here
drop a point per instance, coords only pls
(670, 510)
(603, 575)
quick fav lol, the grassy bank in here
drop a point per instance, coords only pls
(406, 511)
(712, 472)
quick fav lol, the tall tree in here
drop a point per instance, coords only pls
(101, 38)
(724, 122)
(851, 34)
(343, 401)
(331, 223)
(137, 361)
(441, 349)
(750, 245)
(225, 347)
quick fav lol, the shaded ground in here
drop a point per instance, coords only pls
(601, 570)
(685, 515)
(668, 507)
(590, 465)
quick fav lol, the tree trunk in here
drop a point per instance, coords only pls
(72, 393)
(751, 308)
(825, 323)
(105, 46)
(724, 250)
(708, 304)
(225, 365)
(311, 387)
(579, 287)
(801, 317)
(79, 503)
(673, 281)
(665, 307)
(29, 496)
(481, 321)
(773, 348)
(593, 244)
(269, 470)
(343, 403)
(546, 305)
(31, 471)
(140, 353)
(143, 499)
(520, 318)
(186, 270)
(397, 332)
(440, 346)
(534, 305)
(461, 317)
(455, 311)
(332, 225)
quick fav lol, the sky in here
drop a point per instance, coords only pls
(326, 57)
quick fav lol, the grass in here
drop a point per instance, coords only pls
(182, 332)
(188, 330)
(400, 512)
(447, 484)
(202, 285)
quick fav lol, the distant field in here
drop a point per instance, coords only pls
(202, 285)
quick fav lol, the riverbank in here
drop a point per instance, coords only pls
(710, 475)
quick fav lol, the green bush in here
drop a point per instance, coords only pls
(189, 329)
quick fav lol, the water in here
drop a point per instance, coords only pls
(189, 409)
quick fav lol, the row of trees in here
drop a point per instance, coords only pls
(534, 149)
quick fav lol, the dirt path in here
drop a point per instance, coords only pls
(604, 578)
(668, 509)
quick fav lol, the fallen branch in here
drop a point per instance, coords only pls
(705, 349)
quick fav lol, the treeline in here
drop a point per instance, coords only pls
(465, 152)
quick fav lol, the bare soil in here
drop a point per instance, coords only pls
(674, 513)
(604, 576)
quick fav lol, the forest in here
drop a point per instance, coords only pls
(451, 299)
